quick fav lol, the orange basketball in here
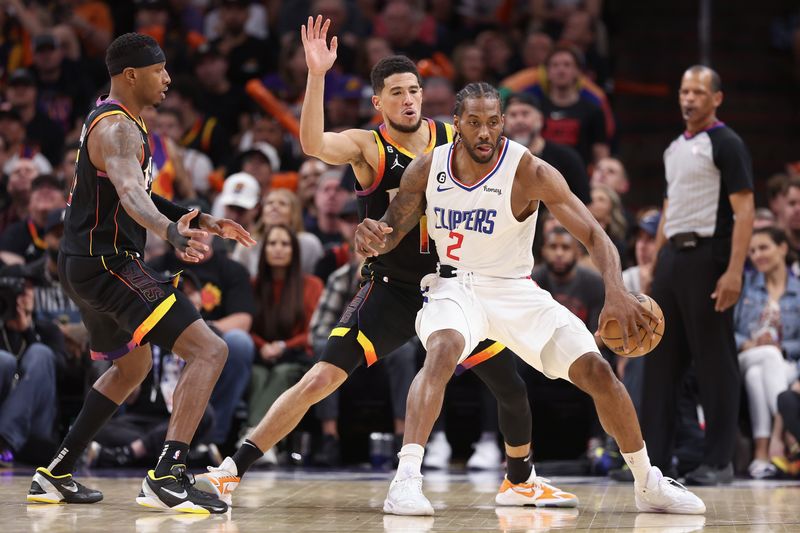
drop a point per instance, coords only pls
(612, 335)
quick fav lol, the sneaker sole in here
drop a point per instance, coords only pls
(202, 483)
(390, 508)
(47, 497)
(523, 501)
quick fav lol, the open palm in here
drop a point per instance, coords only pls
(319, 57)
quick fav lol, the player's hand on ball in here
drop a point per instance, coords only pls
(371, 237)
(624, 309)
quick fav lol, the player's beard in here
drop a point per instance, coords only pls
(473, 153)
(563, 270)
(403, 128)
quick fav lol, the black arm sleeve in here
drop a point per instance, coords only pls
(732, 159)
(172, 211)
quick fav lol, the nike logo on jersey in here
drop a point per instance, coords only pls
(439, 188)
(396, 163)
(182, 494)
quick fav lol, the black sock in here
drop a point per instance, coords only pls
(245, 456)
(174, 453)
(96, 411)
(518, 469)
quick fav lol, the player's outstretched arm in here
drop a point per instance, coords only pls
(379, 237)
(547, 184)
(331, 147)
(114, 146)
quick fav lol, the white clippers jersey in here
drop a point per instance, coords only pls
(473, 226)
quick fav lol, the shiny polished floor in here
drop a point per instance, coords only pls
(303, 501)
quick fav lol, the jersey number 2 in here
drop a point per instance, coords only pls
(459, 237)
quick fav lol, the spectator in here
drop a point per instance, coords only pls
(469, 63)
(582, 31)
(524, 122)
(328, 200)
(219, 97)
(260, 161)
(498, 54)
(198, 165)
(31, 350)
(228, 305)
(705, 231)
(607, 210)
(536, 49)
(767, 329)
(791, 214)
(64, 93)
(788, 439)
(408, 30)
(248, 57)
(308, 180)
(287, 299)
(337, 255)
(23, 238)
(288, 82)
(764, 218)
(39, 129)
(21, 174)
(12, 129)
(267, 130)
(170, 179)
(776, 197)
(440, 99)
(257, 24)
(281, 208)
(372, 50)
(239, 200)
(65, 170)
(610, 171)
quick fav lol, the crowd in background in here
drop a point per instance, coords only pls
(225, 141)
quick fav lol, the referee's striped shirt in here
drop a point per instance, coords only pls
(702, 170)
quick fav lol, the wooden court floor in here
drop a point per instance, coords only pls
(302, 501)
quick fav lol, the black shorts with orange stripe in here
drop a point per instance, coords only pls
(378, 320)
(124, 304)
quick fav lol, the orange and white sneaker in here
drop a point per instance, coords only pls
(220, 481)
(536, 491)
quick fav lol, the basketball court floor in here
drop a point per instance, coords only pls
(299, 501)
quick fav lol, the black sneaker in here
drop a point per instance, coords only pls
(709, 476)
(176, 491)
(47, 488)
(329, 453)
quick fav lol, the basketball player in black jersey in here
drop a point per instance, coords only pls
(124, 304)
(381, 316)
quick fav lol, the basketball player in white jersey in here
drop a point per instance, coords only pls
(481, 195)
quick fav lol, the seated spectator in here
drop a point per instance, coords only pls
(767, 329)
(248, 57)
(764, 218)
(536, 49)
(307, 182)
(469, 64)
(785, 453)
(281, 207)
(40, 130)
(440, 99)
(18, 192)
(170, 179)
(228, 305)
(776, 196)
(337, 255)
(791, 215)
(407, 28)
(607, 210)
(610, 171)
(286, 300)
(137, 434)
(329, 199)
(198, 165)
(13, 131)
(65, 170)
(23, 239)
(30, 353)
(219, 97)
(238, 202)
(260, 161)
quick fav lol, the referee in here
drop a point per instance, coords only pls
(703, 239)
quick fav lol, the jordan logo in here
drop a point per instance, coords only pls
(396, 162)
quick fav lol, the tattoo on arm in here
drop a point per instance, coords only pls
(119, 147)
(408, 205)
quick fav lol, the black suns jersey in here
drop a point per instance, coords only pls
(95, 224)
(415, 256)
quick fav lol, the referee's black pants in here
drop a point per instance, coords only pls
(694, 334)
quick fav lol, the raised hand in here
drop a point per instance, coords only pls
(319, 57)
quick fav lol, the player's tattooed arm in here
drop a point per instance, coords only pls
(115, 146)
(374, 237)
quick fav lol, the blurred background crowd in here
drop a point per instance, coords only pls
(591, 87)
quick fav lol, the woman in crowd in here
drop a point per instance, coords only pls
(767, 323)
(607, 209)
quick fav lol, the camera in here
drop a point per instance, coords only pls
(10, 289)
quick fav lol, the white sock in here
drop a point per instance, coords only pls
(229, 466)
(639, 463)
(410, 461)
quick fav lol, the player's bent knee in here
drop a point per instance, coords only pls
(591, 373)
(321, 381)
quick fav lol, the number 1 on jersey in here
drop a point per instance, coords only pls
(459, 237)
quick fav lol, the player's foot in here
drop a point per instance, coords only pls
(219, 481)
(406, 498)
(47, 488)
(486, 456)
(661, 494)
(176, 491)
(536, 491)
(437, 452)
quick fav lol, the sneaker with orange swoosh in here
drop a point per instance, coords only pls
(220, 481)
(536, 491)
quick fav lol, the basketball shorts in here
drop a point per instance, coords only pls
(124, 304)
(378, 320)
(516, 312)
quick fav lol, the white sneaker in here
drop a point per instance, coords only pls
(406, 498)
(219, 481)
(486, 456)
(535, 491)
(437, 452)
(662, 494)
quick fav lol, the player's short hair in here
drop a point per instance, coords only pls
(479, 89)
(716, 81)
(388, 66)
(132, 50)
